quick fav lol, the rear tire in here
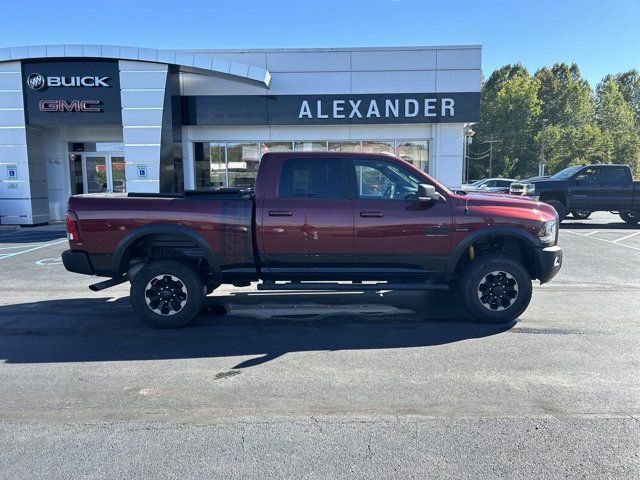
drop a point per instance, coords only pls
(167, 294)
(632, 218)
(495, 289)
(559, 207)
(581, 214)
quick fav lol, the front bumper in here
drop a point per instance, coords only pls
(77, 262)
(549, 262)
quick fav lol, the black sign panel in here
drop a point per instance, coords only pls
(459, 107)
(72, 92)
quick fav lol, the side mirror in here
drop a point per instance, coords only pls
(426, 193)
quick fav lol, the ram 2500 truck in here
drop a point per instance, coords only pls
(316, 221)
(583, 189)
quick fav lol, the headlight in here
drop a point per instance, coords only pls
(548, 232)
(524, 189)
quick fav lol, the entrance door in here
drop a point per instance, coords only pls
(117, 173)
(103, 172)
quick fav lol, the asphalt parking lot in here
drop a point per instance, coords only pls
(343, 385)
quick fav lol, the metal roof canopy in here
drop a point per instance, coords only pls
(193, 62)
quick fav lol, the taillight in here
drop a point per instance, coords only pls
(73, 230)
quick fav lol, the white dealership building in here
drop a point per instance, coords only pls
(95, 118)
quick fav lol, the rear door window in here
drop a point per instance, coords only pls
(313, 178)
(617, 176)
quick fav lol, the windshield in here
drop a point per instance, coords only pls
(567, 172)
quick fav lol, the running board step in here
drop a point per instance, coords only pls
(353, 287)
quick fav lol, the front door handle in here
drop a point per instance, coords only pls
(371, 214)
(279, 213)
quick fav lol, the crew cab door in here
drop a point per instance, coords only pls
(396, 235)
(588, 190)
(619, 188)
(307, 219)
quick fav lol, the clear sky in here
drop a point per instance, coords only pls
(601, 36)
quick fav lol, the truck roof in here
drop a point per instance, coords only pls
(323, 154)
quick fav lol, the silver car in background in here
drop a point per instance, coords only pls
(489, 185)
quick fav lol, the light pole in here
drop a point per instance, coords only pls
(468, 139)
(543, 161)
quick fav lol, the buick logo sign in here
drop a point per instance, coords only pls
(36, 81)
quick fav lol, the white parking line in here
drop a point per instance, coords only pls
(7, 255)
(590, 233)
(628, 236)
(603, 240)
(19, 246)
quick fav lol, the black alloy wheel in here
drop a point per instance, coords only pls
(581, 214)
(632, 218)
(167, 293)
(495, 288)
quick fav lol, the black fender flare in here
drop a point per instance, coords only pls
(561, 195)
(490, 231)
(163, 228)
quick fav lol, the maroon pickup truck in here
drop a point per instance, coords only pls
(316, 221)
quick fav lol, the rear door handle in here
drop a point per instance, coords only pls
(279, 213)
(371, 214)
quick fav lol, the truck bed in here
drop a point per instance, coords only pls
(222, 219)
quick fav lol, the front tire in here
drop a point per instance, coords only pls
(495, 289)
(559, 207)
(581, 214)
(632, 218)
(167, 294)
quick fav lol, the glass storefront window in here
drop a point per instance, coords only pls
(275, 147)
(344, 146)
(242, 164)
(217, 165)
(377, 146)
(235, 164)
(210, 169)
(310, 146)
(96, 147)
(415, 152)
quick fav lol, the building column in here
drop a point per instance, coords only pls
(142, 94)
(448, 155)
(23, 180)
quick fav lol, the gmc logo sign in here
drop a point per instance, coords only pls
(90, 106)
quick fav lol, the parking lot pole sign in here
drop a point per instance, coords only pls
(142, 172)
(12, 172)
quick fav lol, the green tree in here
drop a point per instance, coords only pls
(572, 145)
(509, 114)
(621, 139)
(629, 85)
(566, 96)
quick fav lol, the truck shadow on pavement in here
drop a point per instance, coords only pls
(591, 225)
(261, 327)
(32, 236)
